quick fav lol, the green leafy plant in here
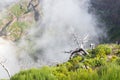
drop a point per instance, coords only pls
(102, 50)
(35, 74)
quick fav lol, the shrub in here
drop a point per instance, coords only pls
(61, 73)
(75, 61)
(35, 74)
(118, 61)
(109, 72)
(98, 62)
(95, 62)
(102, 50)
(114, 58)
(84, 74)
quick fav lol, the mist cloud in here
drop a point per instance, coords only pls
(53, 34)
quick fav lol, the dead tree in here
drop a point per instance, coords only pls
(80, 43)
(77, 52)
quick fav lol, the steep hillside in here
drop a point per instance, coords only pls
(103, 63)
(59, 30)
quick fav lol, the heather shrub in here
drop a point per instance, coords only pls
(34, 74)
(102, 50)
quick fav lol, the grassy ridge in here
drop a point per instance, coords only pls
(103, 63)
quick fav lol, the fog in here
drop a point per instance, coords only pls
(51, 36)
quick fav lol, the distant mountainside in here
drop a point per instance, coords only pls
(108, 13)
(24, 13)
(17, 17)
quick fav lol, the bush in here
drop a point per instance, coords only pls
(114, 58)
(35, 74)
(84, 74)
(118, 61)
(75, 61)
(102, 51)
(61, 73)
(95, 62)
(109, 72)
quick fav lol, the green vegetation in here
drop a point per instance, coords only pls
(16, 30)
(102, 50)
(92, 67)
(35, 74)
(103, 62)
(17, 10)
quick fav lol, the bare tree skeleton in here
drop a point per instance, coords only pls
(77, 51)
(80, 43)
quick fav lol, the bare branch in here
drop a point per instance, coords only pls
(32, 7)
(5, 69)
(86, 37)
(3, 60)
(78, 50)
(76, 40)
